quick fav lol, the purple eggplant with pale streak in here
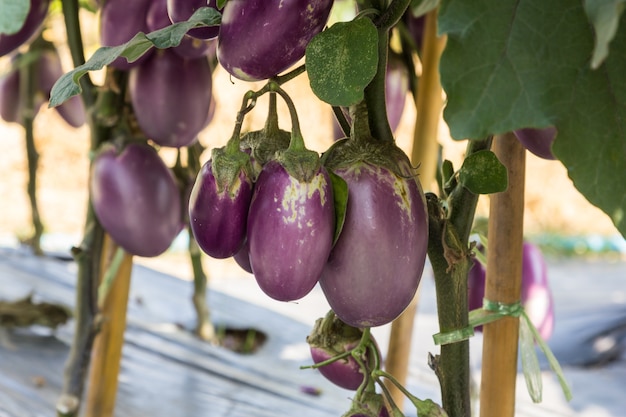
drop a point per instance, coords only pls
(291, 225)
(171, 97)
(136, 199)
(218, 211)
(259, 39)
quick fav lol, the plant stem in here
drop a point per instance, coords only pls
(449, 254)
(28, 82)
(392, 14)
(375, 93)
(503, 283)
(204, 326)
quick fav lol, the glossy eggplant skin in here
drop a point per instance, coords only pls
(243, 258)
(538, 140)
(259, 39)
(396, 89)
(290, 231)
(34, 20)
(181, 10)
(120, 20)
(536, 296)
(171, 97)
(218, 219)
(376, 265)
(136, 199)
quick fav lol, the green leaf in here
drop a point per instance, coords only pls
(221, 4)
(68, 85)
(483, 173)
(604, 15)
(421, 7)
(341, 61)
(340, 196)
(13, 15)
(533, 70)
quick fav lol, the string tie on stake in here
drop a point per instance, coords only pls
(528, 334)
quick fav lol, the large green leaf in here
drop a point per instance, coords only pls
(68, 85)
(342, 60)
(510, 64)
(13, 15)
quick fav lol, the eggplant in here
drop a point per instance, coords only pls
(291, 224)
(536, 296)
(136, 199)
(33, 23)
(377, 262)
(259, 39)
(10, 103)
(218, 212)
(157, 18)
(181, 10)
(538, 140)
(120, 20)
(171, 97)
(243, 258)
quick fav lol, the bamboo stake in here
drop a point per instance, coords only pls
(504, 277)
(107, 349)
(428, 104)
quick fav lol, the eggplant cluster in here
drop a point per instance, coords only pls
(170, 89)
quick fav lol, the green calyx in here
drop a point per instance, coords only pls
(226, 166)
(302, 164)
(330, 333)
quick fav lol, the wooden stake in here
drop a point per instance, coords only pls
(425, 147)
(107, 350)
(504, 277)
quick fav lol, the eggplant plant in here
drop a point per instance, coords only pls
(359, 222)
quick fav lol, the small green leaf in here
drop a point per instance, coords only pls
(340, 197)
(421, 7)
(221, 4)
(13, 15)
(604, 15)
(168, 37)
(342, 60)
(483, 173)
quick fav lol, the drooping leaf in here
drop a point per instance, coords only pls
(13, 15)
(511, 64)
(342, 60)
(170, 36)
(604, 15)
(483, 173)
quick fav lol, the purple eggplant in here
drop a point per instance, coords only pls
(259, 39)
(243, 258)
(34, 20)
(536, 295)
(10, 103)
(49, 70)
(396, 89)
(218, 212)
(189, 47)
(376, 265)
(290, 230)
(120, 20)
(171, 97)
(415, 25)
(538, 141)
(136, 199)
(181, 10)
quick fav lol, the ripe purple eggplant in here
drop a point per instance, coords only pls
(181, 10)
(157, 18)
(259, 39)
(34, 20)
(120, 20)
(136, 199)
(171, 97)
(10, 103)
(218, 212)
(376, 264)
(538, 141)
(291, 224)
(243, 258)
(536, 295)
